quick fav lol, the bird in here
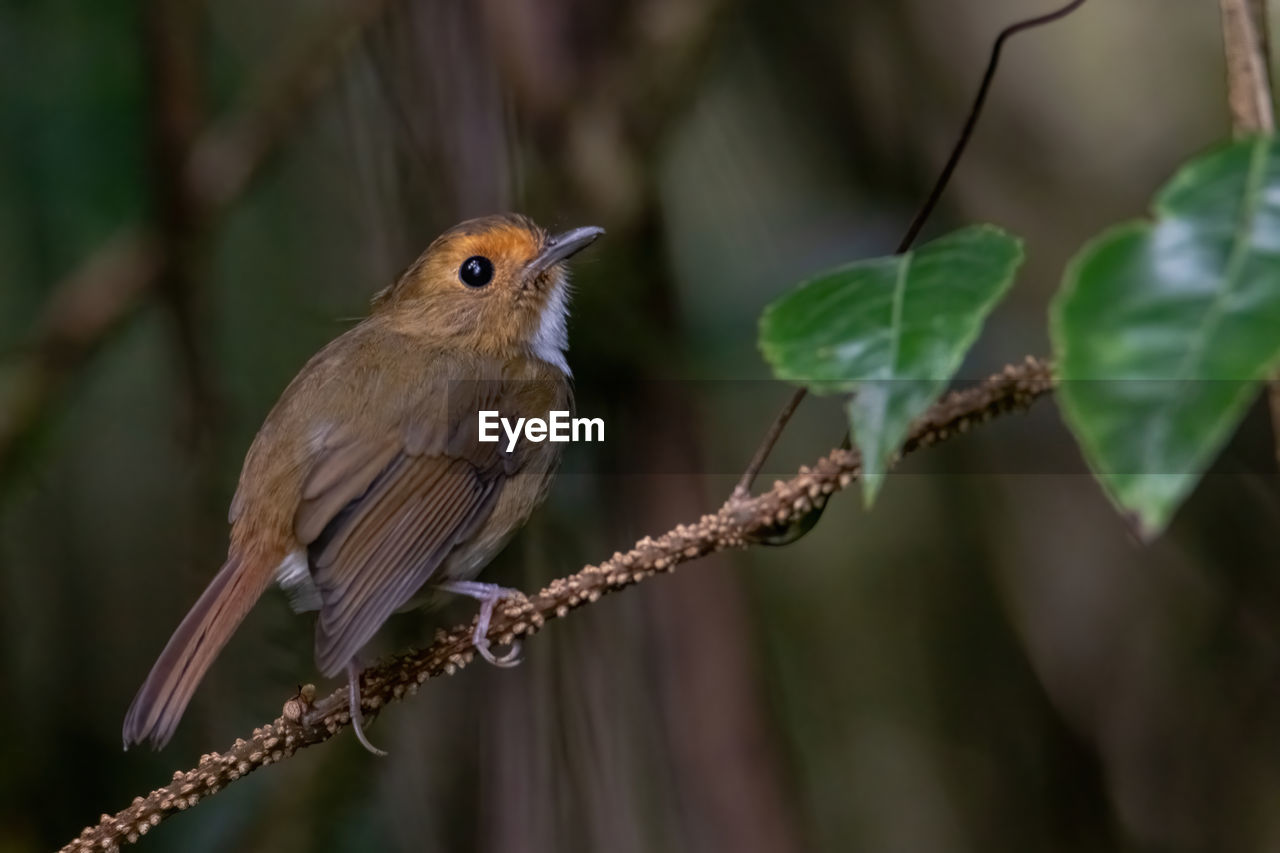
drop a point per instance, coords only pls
(367, 490)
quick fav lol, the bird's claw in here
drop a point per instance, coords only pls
(357, 718)
(488, 595)
(510, 659)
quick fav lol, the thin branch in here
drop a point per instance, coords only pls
(738, 524)
(107, 288)
(928, 206)
(766, 446)
(971, 121)
(1244, 24)
(1249, 96)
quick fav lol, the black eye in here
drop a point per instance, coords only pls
(476, 271)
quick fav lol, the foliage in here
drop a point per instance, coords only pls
(1163, 331)
(892, 330)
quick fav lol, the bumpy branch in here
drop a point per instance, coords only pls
(739, 523)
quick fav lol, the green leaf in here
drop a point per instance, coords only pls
(1162, 331)
(893, 330)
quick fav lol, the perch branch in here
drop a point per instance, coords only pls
(740, 522)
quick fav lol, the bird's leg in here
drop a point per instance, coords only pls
(488, 594)
(357, 717)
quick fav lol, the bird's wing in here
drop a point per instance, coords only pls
(386, 543)
(379, 516)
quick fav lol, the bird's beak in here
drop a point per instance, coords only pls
(562, 246)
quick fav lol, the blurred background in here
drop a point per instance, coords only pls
(195, 197)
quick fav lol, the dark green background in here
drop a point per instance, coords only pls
(988, 661)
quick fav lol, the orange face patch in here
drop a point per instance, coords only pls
(474, 285)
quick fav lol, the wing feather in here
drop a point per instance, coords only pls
(340, 476)
(384, 545)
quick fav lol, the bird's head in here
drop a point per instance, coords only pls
(497, 285)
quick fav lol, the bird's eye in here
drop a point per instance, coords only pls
(476, 271)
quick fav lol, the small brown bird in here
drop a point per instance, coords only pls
(367, 483)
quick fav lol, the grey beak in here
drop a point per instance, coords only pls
(562, 246)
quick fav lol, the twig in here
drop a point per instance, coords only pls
(740, 522)
(926, 208)
(1244, 36)
(971, 121)
(106, 289)
(1244, 24)
(766, 446)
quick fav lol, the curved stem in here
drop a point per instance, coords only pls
(922, 215)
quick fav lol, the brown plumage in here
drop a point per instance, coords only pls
(367, 482)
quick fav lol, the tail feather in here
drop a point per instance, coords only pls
(191, 650)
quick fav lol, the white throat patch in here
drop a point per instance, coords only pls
(552, 337)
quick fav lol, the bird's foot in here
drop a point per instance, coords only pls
(488, 594)
(357, 717)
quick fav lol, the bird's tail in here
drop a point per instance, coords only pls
(163, 697)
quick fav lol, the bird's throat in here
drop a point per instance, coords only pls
(551, 339)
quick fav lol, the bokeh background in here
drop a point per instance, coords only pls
(195, 196)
